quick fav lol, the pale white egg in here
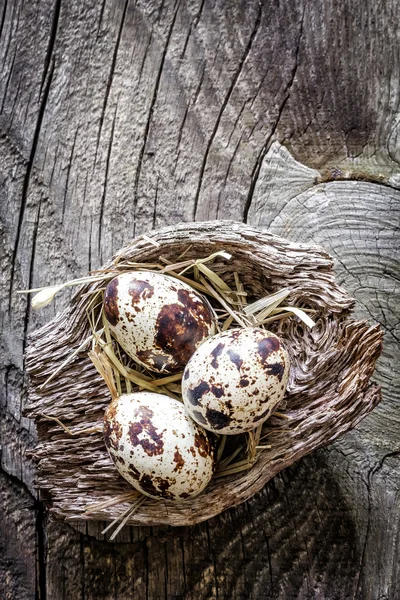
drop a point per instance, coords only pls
(157, 447)
(159, 321)
(235, 380)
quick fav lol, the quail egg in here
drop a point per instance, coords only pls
(233, 382)
(159, 321)
(157, 447)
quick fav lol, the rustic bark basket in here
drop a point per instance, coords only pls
(328, 393)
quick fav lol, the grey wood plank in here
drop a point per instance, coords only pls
(118, 117)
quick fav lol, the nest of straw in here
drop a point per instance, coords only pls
(328, 393)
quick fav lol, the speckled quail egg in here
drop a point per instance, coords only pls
(157, 447)
(159, 321)
(234, 380)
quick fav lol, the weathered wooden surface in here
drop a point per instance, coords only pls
(118, 117)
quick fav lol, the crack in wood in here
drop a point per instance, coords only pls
(69, 166)
(51, 45)
(41, 561)
(150, 115)
(110, 77)
(105, 183)
(256, 169)
(192, 26)
(3, 16)
(223, 107)
(27, 178)
(8, 81)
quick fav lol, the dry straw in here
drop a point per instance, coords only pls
(253, 279)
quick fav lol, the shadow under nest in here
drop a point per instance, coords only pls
(328, 391)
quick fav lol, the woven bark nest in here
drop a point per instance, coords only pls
(329, 391)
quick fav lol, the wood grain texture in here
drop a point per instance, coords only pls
(18, 530)
(117, 117)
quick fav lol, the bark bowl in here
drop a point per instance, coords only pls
(329, 390)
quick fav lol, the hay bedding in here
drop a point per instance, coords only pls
(328, 392)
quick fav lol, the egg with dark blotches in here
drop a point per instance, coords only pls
(157, 447)
(159, 321)
(234, 381)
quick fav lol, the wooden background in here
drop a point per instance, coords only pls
(118, 117)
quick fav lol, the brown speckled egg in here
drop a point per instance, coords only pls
(159, 321)
(234, 380)
(157, 447)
